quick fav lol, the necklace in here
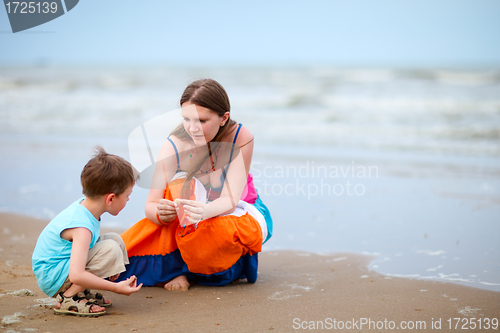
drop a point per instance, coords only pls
(211, 170)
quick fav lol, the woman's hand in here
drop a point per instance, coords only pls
(166, 211)
(195, 211)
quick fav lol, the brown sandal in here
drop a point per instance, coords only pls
(73, 305)
(97, 298)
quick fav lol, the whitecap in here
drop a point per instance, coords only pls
(404, 275)
(46, 301)
(296, 286)
(489, 283)
(20, 292)
(453, 277)
(371, 253)
(434, 268)
(467, 311)
(431, 253)
(11, 319)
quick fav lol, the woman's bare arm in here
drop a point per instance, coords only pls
(164, 171)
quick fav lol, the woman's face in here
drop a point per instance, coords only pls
(200, 123)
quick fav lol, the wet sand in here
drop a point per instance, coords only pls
(295, 290)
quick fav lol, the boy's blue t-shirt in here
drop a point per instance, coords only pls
(52, 253)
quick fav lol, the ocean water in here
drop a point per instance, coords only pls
(400, 164)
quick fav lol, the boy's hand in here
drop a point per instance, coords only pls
(127, 286)
(166, 210)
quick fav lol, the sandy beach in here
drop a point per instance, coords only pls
(372, 134)
(295, 291)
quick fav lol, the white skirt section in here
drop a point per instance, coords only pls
(244, 207)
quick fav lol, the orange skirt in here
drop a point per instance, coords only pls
(218, 251)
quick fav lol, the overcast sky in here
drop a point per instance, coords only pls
(419, 33)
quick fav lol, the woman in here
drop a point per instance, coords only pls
(196, 227)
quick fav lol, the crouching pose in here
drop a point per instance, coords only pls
(70, 257)
(205, 222)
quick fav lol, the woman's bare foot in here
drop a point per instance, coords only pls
(179, 283)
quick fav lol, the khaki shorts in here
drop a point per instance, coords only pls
(106, 258)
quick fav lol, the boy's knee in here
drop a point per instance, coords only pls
(110, 247)
(106, 259)
(113, 236)
(105, 251)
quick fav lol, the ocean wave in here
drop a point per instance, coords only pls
(468, 77)
(384, 109)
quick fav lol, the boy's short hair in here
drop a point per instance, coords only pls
(106, 173)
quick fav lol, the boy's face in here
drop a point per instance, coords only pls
(120, 201)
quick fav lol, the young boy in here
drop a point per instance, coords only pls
(70, 257)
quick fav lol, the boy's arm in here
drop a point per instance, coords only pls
(81, 238)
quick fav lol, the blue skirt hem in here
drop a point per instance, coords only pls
(151, 270)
